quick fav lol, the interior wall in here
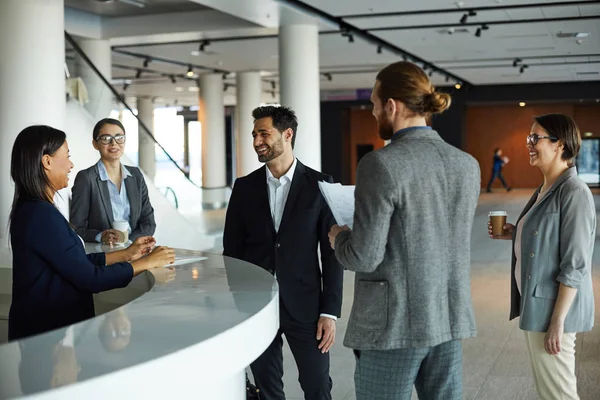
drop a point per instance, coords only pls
(363, 131)
(506, 126)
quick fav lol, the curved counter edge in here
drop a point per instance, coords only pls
(192, 336)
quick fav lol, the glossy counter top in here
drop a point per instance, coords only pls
(200, 321)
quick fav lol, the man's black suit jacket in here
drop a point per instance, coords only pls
(292, 252)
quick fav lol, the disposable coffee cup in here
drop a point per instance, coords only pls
(122, 227)
(498, 220)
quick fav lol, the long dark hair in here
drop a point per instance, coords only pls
(26, 170)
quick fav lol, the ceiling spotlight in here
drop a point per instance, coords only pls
(471, 13)
(328, 76)
(447, 78)
(225, 75)
(147, 62)
(190, 72)
(458, 86)
(522, 104)
(379, 49)
(125, 86)
(273, 85)
(173, 80)
(516, 62)
(523, 67)
(203, 45)
(138, 74)
(481, 28)
(273, 94)
(225, 87)
(431, 73)
(346, 33)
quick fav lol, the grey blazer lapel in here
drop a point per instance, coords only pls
(133, 196)
(105, 198)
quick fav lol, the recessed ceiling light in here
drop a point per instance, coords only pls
(179, 89)
(522, 104)
(588, 134)
(582, 34)
(193, 89)
(195, 53)
(458, 86)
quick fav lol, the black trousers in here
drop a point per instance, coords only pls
(313, 367)
(496, 174)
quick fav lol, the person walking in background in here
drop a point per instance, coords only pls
(53, 278)
(278, 219)
(415, 202)
(110, 191)
(499, 163)
(551, 270)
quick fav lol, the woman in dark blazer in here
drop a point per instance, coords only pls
(53, 278)
(553, 242)
(109, 191)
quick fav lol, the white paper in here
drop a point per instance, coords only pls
(340, 199)
(181, 260)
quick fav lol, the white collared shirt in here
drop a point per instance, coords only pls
(119, 201)
(279, 189)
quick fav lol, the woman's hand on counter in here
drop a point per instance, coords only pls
(140, 247)
(159, 257)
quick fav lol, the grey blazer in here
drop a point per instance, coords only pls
(557, 243)
(415, 201)
(91, 210)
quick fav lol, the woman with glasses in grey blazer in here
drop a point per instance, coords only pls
(109, 191)
(553, 242)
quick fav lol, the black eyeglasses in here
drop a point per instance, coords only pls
(534, 138)
(107, 139)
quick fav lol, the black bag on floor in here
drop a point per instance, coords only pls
(252, 392)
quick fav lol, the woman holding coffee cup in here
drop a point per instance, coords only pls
(553, 243)
(53, 278)
(110, 201)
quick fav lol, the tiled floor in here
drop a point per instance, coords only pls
(495, 362)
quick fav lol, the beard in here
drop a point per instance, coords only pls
(386, 130)
(272, 152)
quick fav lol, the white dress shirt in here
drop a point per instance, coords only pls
(279, 189)
(118, 199)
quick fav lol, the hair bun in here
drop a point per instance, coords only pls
(436, 102)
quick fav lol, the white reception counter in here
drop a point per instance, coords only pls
(181, 332)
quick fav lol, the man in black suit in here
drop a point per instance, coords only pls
(276, 219)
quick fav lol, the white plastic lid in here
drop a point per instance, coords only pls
(497, 213)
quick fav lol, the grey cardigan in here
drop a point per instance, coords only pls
(91, 210)
(410, 246)
(557, 243)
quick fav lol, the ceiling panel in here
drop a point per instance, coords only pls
(480, 60)
(117, 8)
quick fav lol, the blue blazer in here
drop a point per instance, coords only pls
(53, 278)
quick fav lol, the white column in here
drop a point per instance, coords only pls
(100, 97)
(32, 79)
(299, 87)
(211, 115)
(147, 161)
(248, 98)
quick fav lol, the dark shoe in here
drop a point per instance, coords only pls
(508, 189)
(489, 190)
